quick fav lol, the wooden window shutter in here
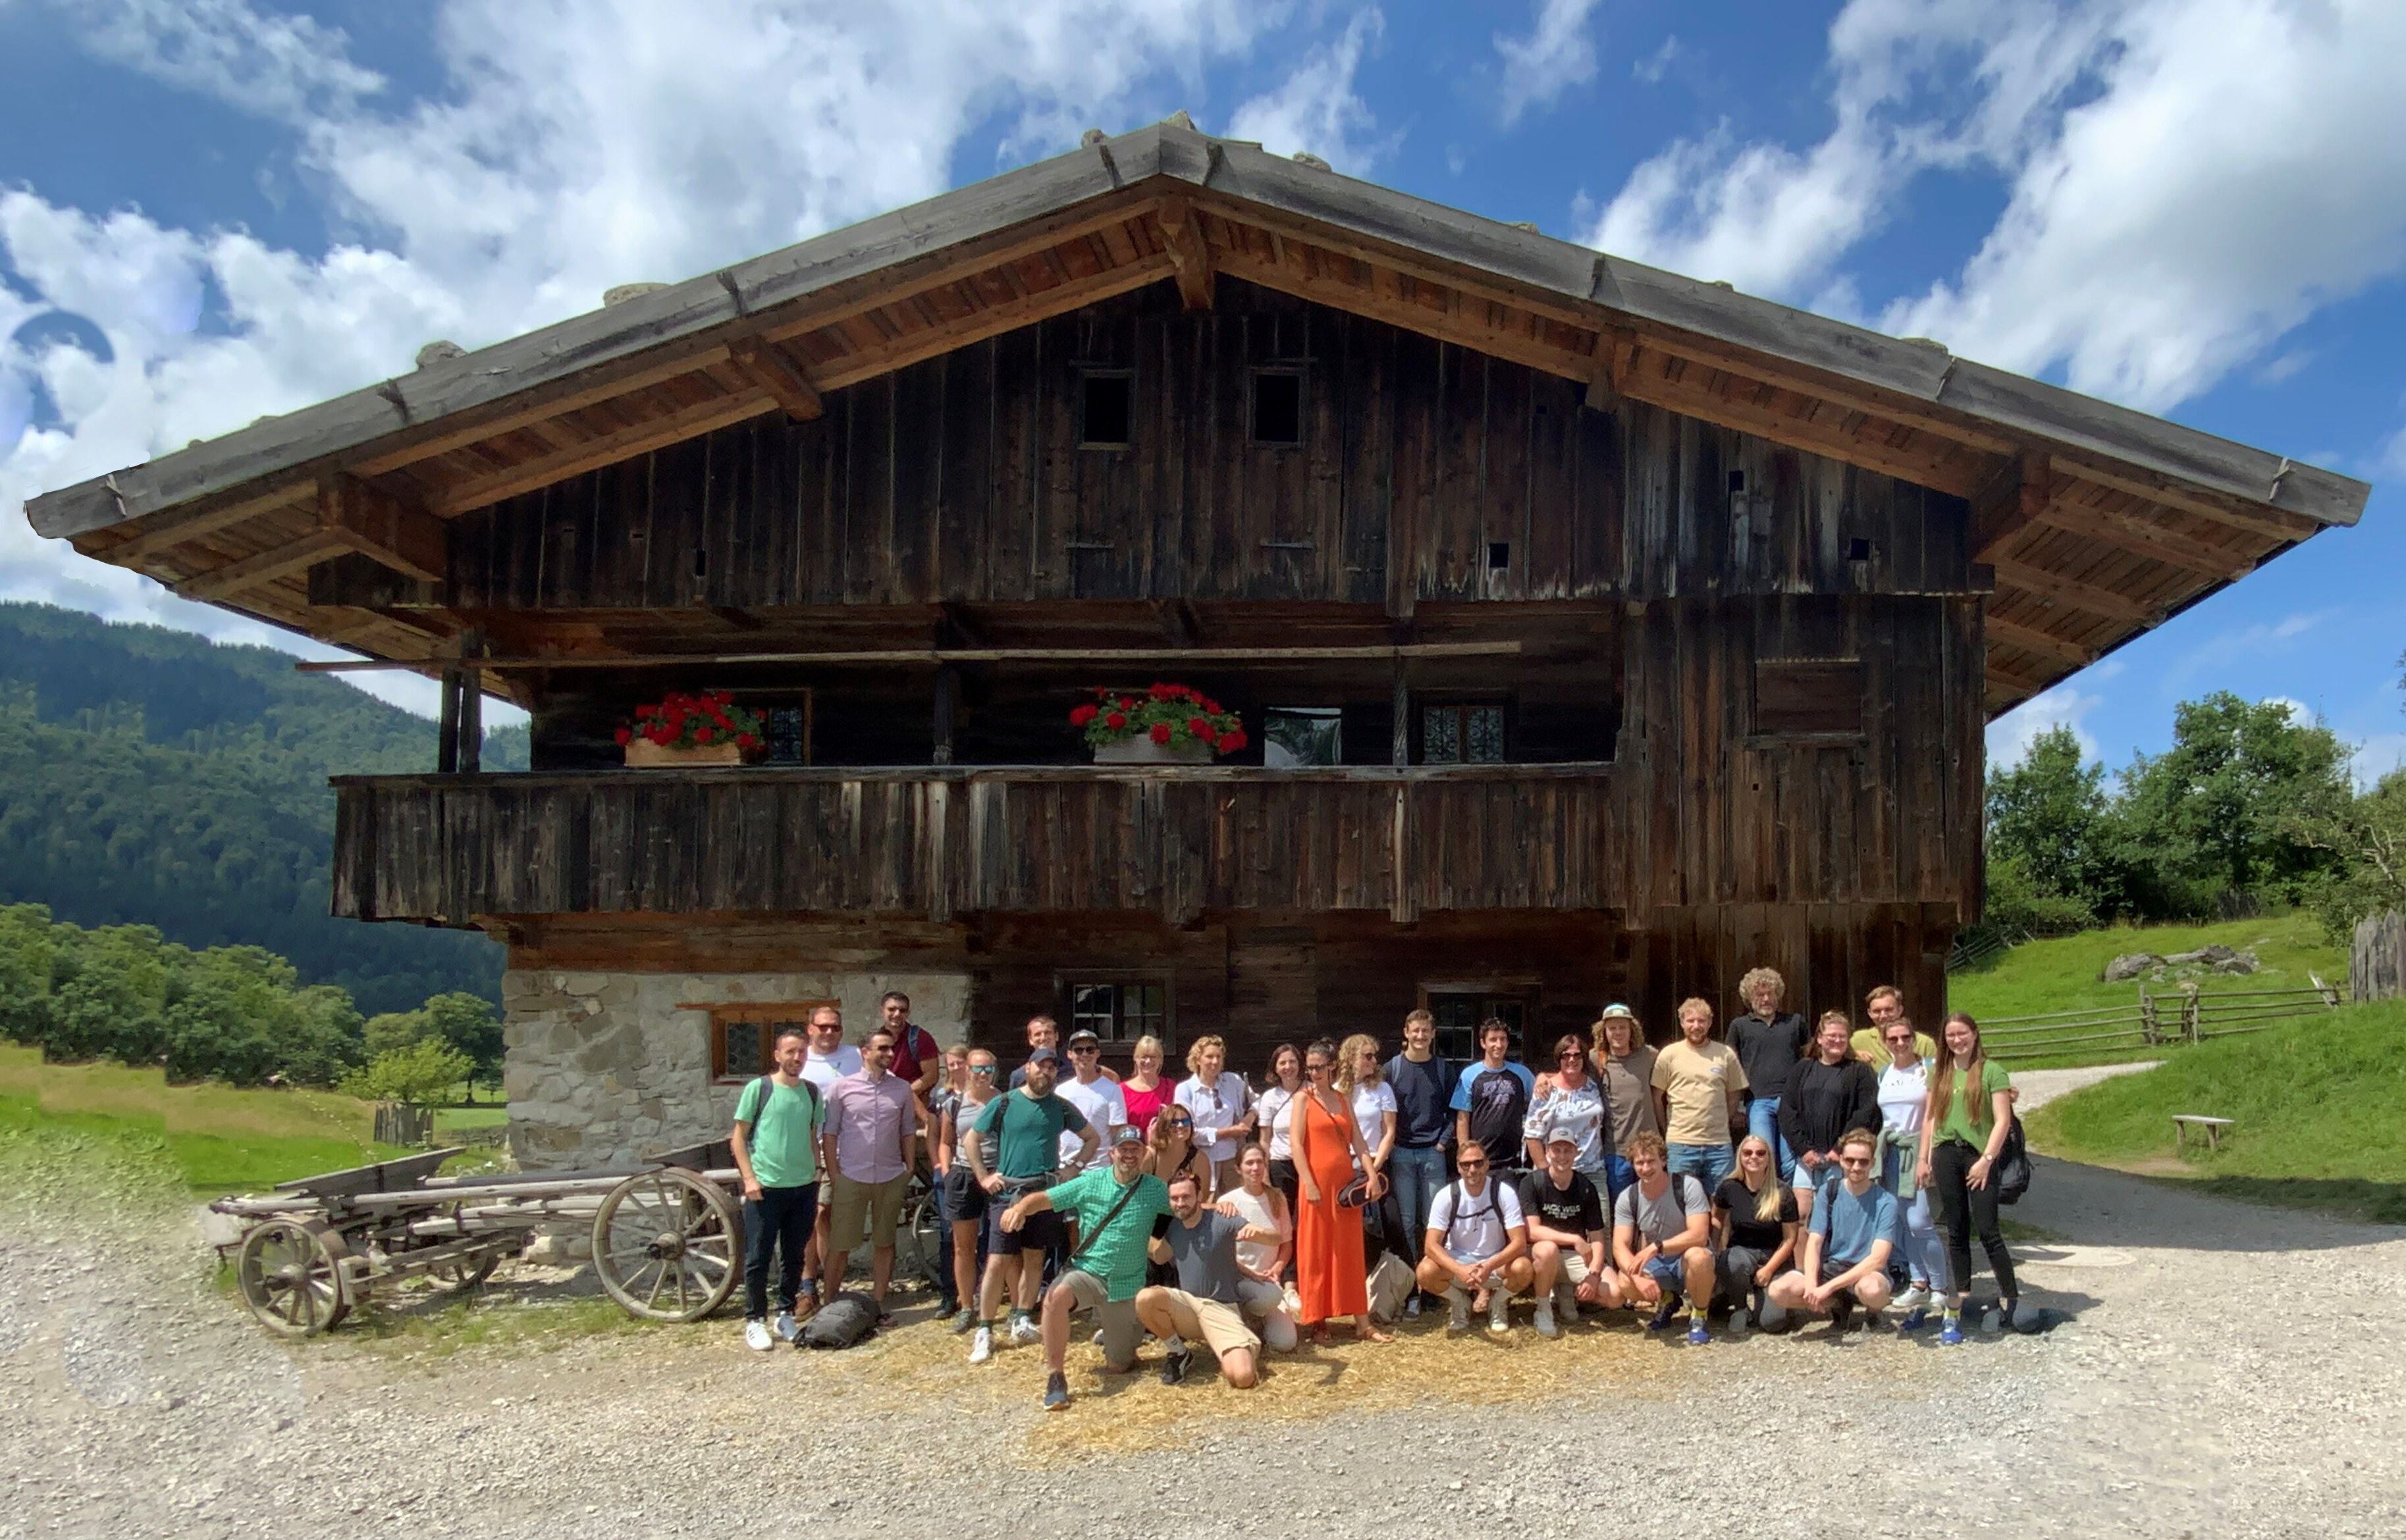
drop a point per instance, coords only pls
(1808, 696)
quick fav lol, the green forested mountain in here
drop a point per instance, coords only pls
(152, 777)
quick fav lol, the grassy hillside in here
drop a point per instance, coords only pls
(2060, 974)
(152, 777)
(2316, 1103)
(219, 1138)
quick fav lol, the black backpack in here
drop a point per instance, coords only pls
(846, 1320)
(767, 1084)
(2010, 1171)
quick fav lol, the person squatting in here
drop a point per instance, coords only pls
(1761, 1176)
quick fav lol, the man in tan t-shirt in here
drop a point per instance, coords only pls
(1699, 1091)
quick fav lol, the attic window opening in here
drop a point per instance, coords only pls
(1104, 410)
(1499, 554)
(1278, 406)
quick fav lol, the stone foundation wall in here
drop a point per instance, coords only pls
(604, 1068)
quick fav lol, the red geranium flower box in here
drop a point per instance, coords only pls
(680, 729)
(1165, 724)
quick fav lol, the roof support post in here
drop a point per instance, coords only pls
(1188, 250)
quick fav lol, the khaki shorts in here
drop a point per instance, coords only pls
(1122, 1332)
(1221, 1327)
(864, 1210)
(1575, 1267)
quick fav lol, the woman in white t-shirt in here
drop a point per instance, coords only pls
(1274, 1113)
(1223, 1107)
(1362, 1079)
(1903, 1090)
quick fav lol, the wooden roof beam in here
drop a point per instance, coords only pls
(766, 365)
(2014, 500)
(166, 533)
(608, 449)
(1183, 232)
(2029, 639)
(252, 572)
(2042, 583)
(1616, 354)
(2153, 541)
(392, 532)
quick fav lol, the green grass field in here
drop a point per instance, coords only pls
(2316, 1103)
(220, 1140)
(2060, 974)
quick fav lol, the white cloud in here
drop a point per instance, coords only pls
(1654, 66)
(2164, 160)
(2300, 712)
(2010, 736)
(2377, 757)
(1316, 108)
(2220, 648)
(1557, 54)
(568, 148)
(2390, 462)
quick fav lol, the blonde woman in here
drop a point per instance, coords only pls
(1755, 1221)
(1261, 1263)
(1144, 1089)
(1360, 1079)
(1963, 1130)
(954, 1109)
(1222, 1108)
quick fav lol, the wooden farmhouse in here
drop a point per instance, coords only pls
(1598, 632)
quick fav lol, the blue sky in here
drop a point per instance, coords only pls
(213, 209)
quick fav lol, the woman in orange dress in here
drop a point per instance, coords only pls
(1329, 1280)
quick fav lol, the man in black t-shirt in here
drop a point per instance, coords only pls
(1424, 1088)
(1491, 1100)
(1750, 1250)
(1567, 1236)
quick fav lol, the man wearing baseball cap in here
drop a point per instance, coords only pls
(1021, 1133)
(1567, 1257)
(1625, 1068)
(1102, 1102)
(1116, 1207)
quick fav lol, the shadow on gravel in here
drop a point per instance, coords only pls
(2099, 1207)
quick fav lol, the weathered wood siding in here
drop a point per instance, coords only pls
(1427, 472)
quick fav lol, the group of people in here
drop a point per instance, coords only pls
(1772, 1172)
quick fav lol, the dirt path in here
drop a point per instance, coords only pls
(2222, 1370)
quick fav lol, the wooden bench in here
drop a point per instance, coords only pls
(2183, 1122)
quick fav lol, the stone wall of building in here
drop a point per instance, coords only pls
(605, 1068)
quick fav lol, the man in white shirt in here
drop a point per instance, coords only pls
(829, 1060)
(1104, 1104)
(1476, 1250)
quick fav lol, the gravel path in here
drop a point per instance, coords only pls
(2222, 1370)
(2041, 1086)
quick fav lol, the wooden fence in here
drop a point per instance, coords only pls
(2153, 1021)
(398, 1123)
(2376, 963)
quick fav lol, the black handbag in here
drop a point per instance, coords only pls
(1354, 1194)
(2011, 1171)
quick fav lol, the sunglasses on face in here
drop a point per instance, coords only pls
(981, 1070)
(1086, 1047)
(1180, 1122)
(1470, 1166)
(1854, 1160)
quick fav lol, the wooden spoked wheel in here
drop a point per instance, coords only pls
(667, 1244)
(466, 1273)
(291, 1274)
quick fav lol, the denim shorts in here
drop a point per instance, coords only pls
(1667, 1272)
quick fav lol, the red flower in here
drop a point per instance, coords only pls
(1115, 721)
(705, 735)
(1233, 739)
(659, 735)
(1083, 714)
(1210, 705)
(1161, 733)
(1199, 727)
(1127, 704)
(747, 742)
(1164, 692)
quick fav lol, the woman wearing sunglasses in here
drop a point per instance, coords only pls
(1569, 1099)
(964, 1198)
(1330, 1280)
(1170, 1147)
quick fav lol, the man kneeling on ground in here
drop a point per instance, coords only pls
(1476, 1250)
(1662, 1240)
(1847, 1244)
(1116, 1207)
(1566, 1240)
(1202, 1243)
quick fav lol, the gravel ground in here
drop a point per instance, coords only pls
(2219, 1370)
(2041, 1086)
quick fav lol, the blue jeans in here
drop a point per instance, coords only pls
(1416, 1176)
(1763, 1122)
(1618, 1173)
(1707, 1163)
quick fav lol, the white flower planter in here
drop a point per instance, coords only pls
(1143, 750)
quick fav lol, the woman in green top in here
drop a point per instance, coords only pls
(1963, 1127)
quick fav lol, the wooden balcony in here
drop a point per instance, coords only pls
(947, 841)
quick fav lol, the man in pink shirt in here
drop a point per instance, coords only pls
(869, 1145)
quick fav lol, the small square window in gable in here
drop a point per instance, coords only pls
(1278, 406)
(1808, 696)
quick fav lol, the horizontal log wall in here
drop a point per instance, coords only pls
(937, 843)
(1425, 472)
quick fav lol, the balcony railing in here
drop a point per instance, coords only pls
(947, 841)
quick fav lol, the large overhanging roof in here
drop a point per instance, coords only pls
(2099, 521)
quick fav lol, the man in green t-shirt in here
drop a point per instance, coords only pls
(1115, 1207)
(777, 1122)
(1017, 1150)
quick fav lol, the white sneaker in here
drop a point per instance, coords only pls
(981, 1345)
(1098, 1339)
(757, 1337)
(1914, 1298)
(1460, 1320)
(1025, 1331)
(1496, 1320)
(1545, 1326)
(786, 1326)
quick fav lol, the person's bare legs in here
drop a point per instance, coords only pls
(881, 1273)
(1696, 1267)
(1787, 1290)
(1237, 1368)
(1874, 1290)
(1058, 1307)
(1153, 1311)
(1031, 1279)
(965, 1268)
(1546, 1268)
